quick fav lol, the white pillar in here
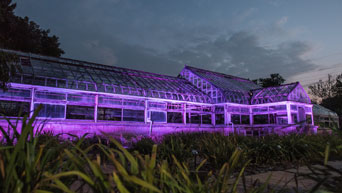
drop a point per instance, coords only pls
(96, 105)
(251, 121)
(184, 114)
(32, 102)
(145, 112)
(289, 117)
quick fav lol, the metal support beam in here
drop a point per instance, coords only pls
(289, 117)
(32, 102)
(96, 105)
(184, 114)
(251, 120)
(145, 112)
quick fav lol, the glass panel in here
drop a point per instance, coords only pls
(109, 114)
(109, 100)
(27, 79)
(157, 105)
(174, 106)
(195, 118)
(278, 108)
(244, 110)
(174, 117)
(80, 112)
(90, 99)
(308, 119)
(235, 118)
(273, 118)
(193, 108)
(133, 115)
(82, 86)
(281, 107)
(158, 116)
(206, 109)
(138, 103)
(294, 107)
(51, 82)
(14, 109)
(15, 93)
(282, 119)
(61, 83)
(219, 109)
(294, 117)
(245, 119)
(260, 119)
(219, 119)
(307, 109)
(39, 81)
(51, 111)
(206, 119)
(49, 95)
(91, 87)
(233, 109)
(262, 109)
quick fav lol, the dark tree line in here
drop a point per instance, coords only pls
(273, 80)
(21, 34)
(17, 33)
(330, 91)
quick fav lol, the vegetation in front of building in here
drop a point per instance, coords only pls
(36, 161)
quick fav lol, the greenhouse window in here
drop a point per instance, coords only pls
(219, 119)
(174, 117)
(110, 114)
(260, 119)
(206, 119)
(80, 112)
(235, 118)
(49, 95)
(50, 110)
(158, 116)
(245, 119)
(133, 115)
(14, 108)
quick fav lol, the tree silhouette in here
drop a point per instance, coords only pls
(21, 34)
(274, 80)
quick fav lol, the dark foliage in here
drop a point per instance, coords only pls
(274, 80)
(21, 34)
(8, 67)
(330, 91)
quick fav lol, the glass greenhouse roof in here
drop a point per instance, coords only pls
(286, 92)
(234, 89)
(80, 75)
(74, 74)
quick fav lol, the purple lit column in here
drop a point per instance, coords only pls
(32, 102)
(145, 112)
(251, 121)
(96, 104)
(184, 114)
(288, 110)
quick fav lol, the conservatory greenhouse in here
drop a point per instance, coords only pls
(81, 97)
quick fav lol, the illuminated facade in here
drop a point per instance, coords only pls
(81, 97)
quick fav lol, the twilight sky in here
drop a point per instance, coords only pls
(300, 39)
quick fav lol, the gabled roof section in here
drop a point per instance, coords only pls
(234, 89)
(286, 92)
(225, 82)
(81, 75)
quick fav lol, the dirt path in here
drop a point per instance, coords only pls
(287, 179)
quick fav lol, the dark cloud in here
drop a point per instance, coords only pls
(162, 36)
(241, 54)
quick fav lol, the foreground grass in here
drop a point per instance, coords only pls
(200, 162)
